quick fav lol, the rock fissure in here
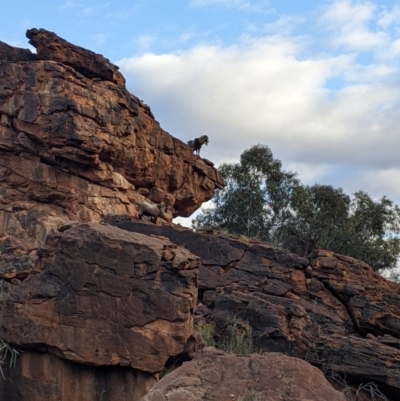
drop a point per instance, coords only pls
(349, 307)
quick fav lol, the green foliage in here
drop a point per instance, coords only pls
(7, 353)
(239, 339)
(207, 331)
(263, 201)
(360, 227)
(318, 215)
(256, 198)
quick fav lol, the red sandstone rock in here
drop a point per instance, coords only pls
(42, 376)
(215, 375)
(98, 295)
(318, 310)
(49, 46)
(112, 290)
(76, 145)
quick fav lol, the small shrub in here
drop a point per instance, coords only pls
(239, 339)
(249, 395)
(207, 331)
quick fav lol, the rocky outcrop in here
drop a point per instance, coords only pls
(99, 303)
(100, 296)
(332, 310)
(215, 375)
(95, 309)
(76, 145)
(49, 46)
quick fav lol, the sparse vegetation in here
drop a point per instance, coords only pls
(368, 391)
(239, 338)
(207, 331)
(250, 395)
(8, 354)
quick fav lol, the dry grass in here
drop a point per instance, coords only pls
(207, 331)
(239, 338)
(250, 395)
(8, 355)
(363, 392)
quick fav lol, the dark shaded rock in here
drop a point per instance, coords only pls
(358, 360)
(44, 376)
(11, 53)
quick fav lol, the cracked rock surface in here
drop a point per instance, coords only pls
(96, 310)
(101, 296)
(332, 310)
(76, 145)
(215, 375)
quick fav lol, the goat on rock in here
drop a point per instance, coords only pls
(197, 143)
(153, 211)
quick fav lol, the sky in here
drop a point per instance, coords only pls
(316, 81)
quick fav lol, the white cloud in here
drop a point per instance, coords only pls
(389, 17)
(270, 90)
(349, 21)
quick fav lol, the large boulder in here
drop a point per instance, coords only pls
(215, 375)
(99, 296)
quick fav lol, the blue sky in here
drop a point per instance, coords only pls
(317, 81)
(126, 28)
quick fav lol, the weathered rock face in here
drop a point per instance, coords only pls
(215, 375)
(44, 376)
(49, 46)
(333, 311)
(98, 295)
(76, 145)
